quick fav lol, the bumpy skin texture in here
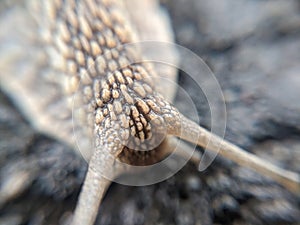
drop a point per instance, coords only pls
(116, 104)
(114, 95)
(84, 56)
(82, 76)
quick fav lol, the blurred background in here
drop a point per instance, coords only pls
(253, 48)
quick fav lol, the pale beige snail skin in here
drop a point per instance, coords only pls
(61, 51)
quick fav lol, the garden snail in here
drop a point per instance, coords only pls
(68, 42)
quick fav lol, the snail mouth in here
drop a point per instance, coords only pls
(149, 157)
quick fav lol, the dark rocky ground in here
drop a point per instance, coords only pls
(253, 47)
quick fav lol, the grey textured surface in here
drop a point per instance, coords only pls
(253, 48)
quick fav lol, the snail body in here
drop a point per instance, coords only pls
(79, 48)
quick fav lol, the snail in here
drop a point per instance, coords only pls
(71, 68)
